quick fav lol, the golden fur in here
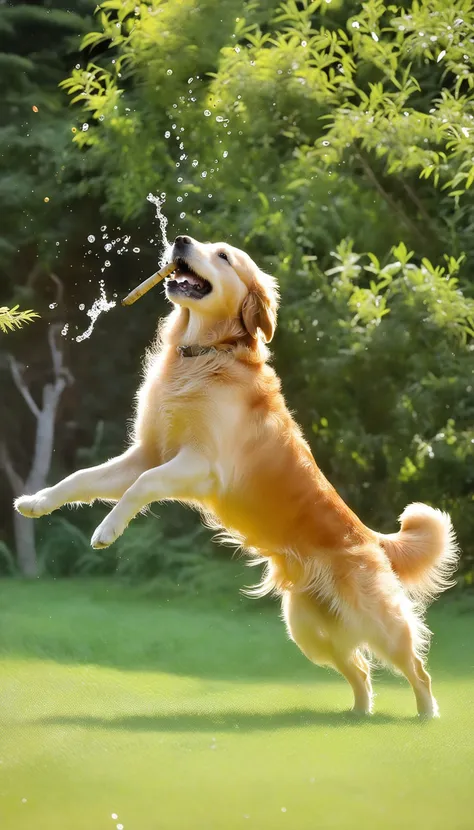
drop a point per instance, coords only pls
(213, 430)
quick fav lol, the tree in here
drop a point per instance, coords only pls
(45, 416)
(307, 132)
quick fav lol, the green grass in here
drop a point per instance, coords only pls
(184, 715)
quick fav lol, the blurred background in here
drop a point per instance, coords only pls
(335, 144)
(334, 141)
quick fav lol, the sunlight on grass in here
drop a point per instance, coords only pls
(101, 717)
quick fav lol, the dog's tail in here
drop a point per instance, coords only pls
(424, 553)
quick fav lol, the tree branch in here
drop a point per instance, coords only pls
(61, 372)
(59, 289)
(20, 384)
(16, 481)
(34, 274)
(56, 354)
(387, 197)
(421, 208)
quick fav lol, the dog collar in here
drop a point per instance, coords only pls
(195, 350)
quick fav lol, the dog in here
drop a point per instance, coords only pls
(212, 430)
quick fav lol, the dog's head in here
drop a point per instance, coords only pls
(219, 281)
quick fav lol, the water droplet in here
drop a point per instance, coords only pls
(34, 108)
(107, 263)
(169, 71)
(53, 305)
(194, 162)
(24, 800)
(114, 815)
(207, 112)
(209, 195)
(179, 199)
(100, 305)
(46, 199)
(203, 174)
(167, 134)
(108, 247)
(64, 329)
(85, 127)
(158, 201)
(182, 215)
(225, 154)
(136, 250)
(81, 306)
(103, 228)
(91, 238)
(283, 809)
(219, 118)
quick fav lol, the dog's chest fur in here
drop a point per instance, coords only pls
(189, 402)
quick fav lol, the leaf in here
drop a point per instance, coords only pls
(11, 318)
(92, 38)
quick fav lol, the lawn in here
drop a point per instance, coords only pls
(122, 709)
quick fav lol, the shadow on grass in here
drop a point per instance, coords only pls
(227, 721)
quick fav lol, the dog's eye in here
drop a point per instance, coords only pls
(223, 255)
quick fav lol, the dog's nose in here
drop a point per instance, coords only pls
(183, 240)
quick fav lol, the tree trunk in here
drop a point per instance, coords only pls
(24, 530)
(44, 439)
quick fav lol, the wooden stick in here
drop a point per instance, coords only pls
(145, 286)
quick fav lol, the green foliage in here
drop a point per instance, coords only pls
(8, 566)
(384, 375)
(12, 318)
(38, 171)
(307, 133)
(169, 554)
(310, 124)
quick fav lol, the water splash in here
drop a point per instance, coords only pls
(159, 201)
(98, 307)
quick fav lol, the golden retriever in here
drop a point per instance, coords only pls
(212, 430)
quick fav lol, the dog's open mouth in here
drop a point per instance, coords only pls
(185, 282)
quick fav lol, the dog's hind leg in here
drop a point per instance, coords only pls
(306, 628)
(356, 670)
(107, 481)
(395, 641)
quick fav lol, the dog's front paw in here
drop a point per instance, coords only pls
(35, 505)
(106, 534)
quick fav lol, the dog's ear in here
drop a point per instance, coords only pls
(259, 311)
